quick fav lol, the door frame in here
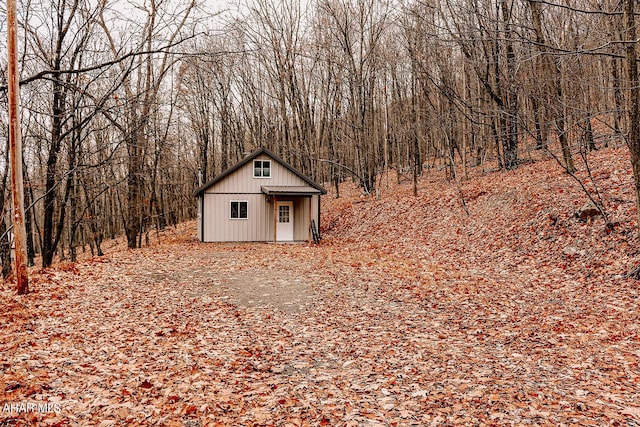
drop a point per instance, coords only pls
(291, 222)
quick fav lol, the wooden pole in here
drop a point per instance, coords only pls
(15, 152)
(275, 219)
(310, 218)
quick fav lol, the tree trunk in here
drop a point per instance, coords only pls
(5, 244)
(552, 71)
(634, 100)
(510, 148)
(28, 219)
(134, 187)
(48, 246)
(617, 98)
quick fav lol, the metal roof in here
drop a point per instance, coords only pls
(289, 190)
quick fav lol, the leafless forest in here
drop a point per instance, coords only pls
(127, 105)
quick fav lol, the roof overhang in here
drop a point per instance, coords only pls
(289, 190)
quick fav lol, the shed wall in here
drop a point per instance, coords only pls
(217, 226)
(315, 213)
(242, 180)
(200, 236)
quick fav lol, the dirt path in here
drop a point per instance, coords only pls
(232, 274)
(186, 334)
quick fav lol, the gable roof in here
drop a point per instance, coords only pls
(248, 159)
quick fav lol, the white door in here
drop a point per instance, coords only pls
(284, 225)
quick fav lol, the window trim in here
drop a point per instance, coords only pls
(261, 169)
(231, 202)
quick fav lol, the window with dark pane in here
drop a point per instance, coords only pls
(262, 168)
(283, 214)
(239, 210)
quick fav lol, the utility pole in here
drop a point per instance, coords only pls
(15, 152)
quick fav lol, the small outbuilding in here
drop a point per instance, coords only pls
(261, 198)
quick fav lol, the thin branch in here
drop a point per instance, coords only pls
(598, 204)
(44, 73)
(585, 11)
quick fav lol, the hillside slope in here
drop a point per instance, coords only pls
(520, 224)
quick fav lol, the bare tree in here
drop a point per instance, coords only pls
(140, 96)
(633, 139)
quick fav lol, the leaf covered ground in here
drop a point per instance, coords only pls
(410, 312)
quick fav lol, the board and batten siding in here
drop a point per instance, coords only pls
(242, 180)
(301, 219)
(217, 226)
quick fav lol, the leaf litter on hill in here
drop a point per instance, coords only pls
(418, 314)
